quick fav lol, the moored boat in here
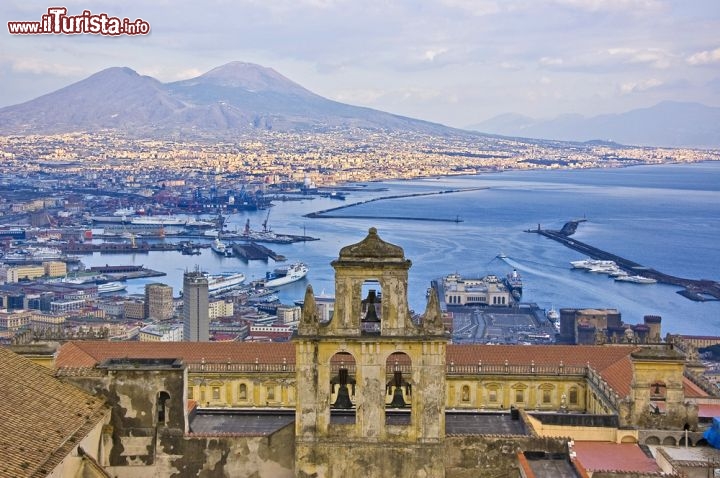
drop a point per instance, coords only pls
(224, 282)
(286, 275)
(636, 279)
(111, 287)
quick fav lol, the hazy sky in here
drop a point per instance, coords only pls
(456, 62)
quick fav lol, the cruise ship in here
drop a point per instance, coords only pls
(111, 287)
(224, 282)
(636, 279)
(221, 248)
(592, 264)
(286, 275)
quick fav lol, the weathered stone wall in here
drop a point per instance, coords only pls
(226, 456)
(133, 396)
(493, 456)
(360, 460)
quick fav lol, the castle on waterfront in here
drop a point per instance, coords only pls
(372, 392)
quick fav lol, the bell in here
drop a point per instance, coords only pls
(398, 401)
(371, 314)
(343, 395)
(343, 398)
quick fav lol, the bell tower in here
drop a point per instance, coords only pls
(371, 381)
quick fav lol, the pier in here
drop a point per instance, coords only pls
(699, 290)
(326, 213)
(253, 251)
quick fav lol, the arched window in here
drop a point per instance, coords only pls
(162, 407)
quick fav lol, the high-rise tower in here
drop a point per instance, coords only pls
(195, 307)
(158, 301)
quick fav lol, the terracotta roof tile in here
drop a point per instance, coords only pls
(691, 390)
(606, 456)
(90, 353)
(42, 417)
(612, 362)
(708, 410)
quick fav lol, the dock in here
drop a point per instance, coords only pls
(329, 213)
(699, 290)
(253, 251)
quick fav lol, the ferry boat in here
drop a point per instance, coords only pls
(592, 263)
(636, 279)
(513, 281)
(111, 287)
(224, 282)
(221, 248)
(286, 275)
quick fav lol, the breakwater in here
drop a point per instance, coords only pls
(694, 289)
(330, 213)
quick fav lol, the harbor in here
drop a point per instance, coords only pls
(699, 290)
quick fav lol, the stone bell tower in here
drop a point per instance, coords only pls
(371, 381)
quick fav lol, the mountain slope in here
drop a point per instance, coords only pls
(669, 124)
(235, 97)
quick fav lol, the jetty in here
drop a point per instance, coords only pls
(699, 290)
(330, 213)
(254, 251)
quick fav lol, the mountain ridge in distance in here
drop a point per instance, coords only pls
(233, 98)
(666, 124)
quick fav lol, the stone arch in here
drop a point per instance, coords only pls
(669, 441)
(702, 442)
(343, 370)
(683, 442)
(398, 376)
(652, 440)
(628, 439)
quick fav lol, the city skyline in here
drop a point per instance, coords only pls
(452, 62)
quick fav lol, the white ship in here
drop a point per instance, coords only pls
(111, 287)
(169, 221)
(636, 279)
(286, 275)
(592, 264)
(222, 283)
(221, 248)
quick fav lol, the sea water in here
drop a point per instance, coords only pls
(666, 217)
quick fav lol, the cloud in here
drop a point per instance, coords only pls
(611, 59)
(640, 86)
(704, 57)
(476, 8)
(37, 66)
(632, 6)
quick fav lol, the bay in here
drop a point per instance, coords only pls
(665, 216)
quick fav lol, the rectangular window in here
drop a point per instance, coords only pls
(216, 393)
(492, 395)
(271, 393)
(519, 396)
(573, 396)
(190, 393)
(546, 396)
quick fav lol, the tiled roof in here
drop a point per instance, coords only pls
(41, 418)
(708, 410)
(691, 390)
(606, 456)
(612, 362)
(90, 353)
